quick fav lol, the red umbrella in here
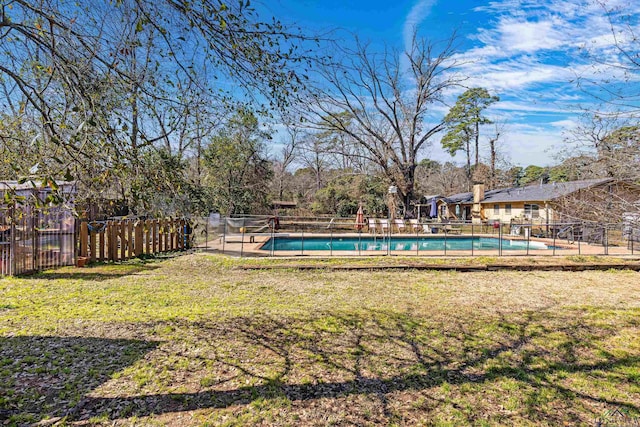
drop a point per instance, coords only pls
(359, 219)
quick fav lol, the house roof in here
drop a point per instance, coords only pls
(530, 193)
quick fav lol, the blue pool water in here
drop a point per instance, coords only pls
(371, 243)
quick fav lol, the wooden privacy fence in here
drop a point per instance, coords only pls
(126, 239)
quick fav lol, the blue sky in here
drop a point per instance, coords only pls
(528, 52)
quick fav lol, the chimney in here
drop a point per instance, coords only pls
(478, 192)
(478, 197)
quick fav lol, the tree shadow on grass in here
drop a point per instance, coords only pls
(538, 357)
(46, 376)
(95, 272)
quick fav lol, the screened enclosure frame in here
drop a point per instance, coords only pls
(33, 236)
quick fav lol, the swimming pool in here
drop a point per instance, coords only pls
(373, 243)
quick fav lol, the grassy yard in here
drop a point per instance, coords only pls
(196, 341)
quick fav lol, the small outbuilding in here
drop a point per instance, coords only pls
(37, 226)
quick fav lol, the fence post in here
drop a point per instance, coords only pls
(129, 239)
(158, 230)
(330, 240)
(84, 231)
(242, 239)
(175, 234)
(224, 233)
(500, 241)
(181, 233)
(206, 233)
(93, 240)
(162, 236)
(147, 233)
(112, 237)
(579, 238)
(606, 239)
(123, 240)
(107, 229)
(555, 233)
(472, 237)
(35, 235)
(273, 237)
(445, 240)
(102, 241)
(389, 237)
(168, 235)
(153, 235)
(12, 247)
(138, 239)
(172, 234)
(176, 229)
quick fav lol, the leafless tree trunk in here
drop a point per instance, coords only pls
(287, 156)
(382, 102)
(493, 154)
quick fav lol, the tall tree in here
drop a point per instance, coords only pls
(619, 153)
(604, 146)
(609, 135)
(615, 59)
(99, 83)
(534, 174)
(463, 123)
(287, 155)
(239, 171)
(384, 104)
(313, 154)
(443, 179)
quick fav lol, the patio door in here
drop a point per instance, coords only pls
(467, 213)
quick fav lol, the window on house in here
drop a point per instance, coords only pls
(507, 209)
(531, 210)
(496, 209)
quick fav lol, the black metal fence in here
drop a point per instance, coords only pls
(295, 236)
(33, 239)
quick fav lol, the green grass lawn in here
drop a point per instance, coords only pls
(194, 340)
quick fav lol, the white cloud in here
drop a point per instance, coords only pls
(529, 106)
(516, 34)
(564, 124)
(523, 147)
(532, 145)
(416, 15)
(531, 52)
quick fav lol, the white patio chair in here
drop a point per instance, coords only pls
(373, 226)
(400, 225)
